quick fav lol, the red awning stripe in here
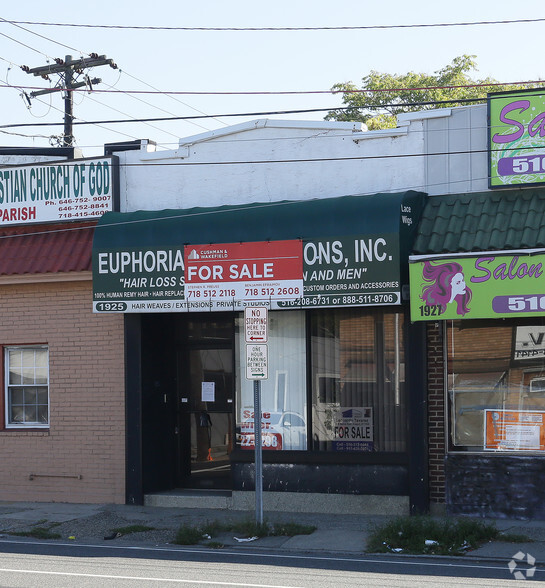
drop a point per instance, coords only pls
(40, 249)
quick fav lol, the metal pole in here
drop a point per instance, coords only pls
(68, 104)
(258, 454)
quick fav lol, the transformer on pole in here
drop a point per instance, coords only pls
(68, 70)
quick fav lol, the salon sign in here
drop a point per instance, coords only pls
(487, 286)
(516, 138)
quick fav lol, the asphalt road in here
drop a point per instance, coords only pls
(54, 565)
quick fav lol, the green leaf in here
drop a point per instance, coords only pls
(382, 96)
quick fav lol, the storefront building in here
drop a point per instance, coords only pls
(477, 282)
(313, 221)
(377, 398)
(62, 431)
(337, 406)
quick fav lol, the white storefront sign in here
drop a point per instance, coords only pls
(59, 191)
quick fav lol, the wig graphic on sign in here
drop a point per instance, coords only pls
(446, 285)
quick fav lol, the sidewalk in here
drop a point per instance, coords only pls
(341, 534)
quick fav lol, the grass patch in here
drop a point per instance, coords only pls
(190, 535)
(37, 533)
(251, 528)
(425, 535)
(133, 529)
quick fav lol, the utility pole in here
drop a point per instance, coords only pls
(68, 70)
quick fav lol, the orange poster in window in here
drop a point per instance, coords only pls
(514, 430)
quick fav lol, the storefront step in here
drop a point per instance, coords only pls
(219, 499)
(282, 502)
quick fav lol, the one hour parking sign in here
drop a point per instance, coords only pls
(257, 362)
(256, 336)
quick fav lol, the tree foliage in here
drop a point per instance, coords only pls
(376, 104)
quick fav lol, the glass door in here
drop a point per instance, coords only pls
(205, 400)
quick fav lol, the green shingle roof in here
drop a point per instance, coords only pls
(482, 221)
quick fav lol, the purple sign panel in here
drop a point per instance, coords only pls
(516, 138)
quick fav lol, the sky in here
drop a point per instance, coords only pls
(162, 61)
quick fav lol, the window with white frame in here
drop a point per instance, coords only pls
(27, 386)
(284, 393)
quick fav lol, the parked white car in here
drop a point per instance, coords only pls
(280, 430)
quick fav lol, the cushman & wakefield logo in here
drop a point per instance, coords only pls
(521, 569)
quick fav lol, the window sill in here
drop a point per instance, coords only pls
(44, 430)
(322, 457)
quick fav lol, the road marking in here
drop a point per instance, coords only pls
(260, 555)
(143, 578)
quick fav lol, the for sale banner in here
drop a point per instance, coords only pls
(488, 286)
(516, 138)
(262, 271)
(514, 430)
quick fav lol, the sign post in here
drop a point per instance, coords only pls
(256, 336)
(258, 454)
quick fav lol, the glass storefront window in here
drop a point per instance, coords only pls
(496, 384)
(283, 394)
(358, 380)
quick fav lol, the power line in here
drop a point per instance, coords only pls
(313, 160)
(251, 29)
(133, 120)
(89, 223)
(298, 92)
(68, 71)
(173, 116)
(38, 35)
(175, 99)
(23, 92)
(23, 44)
(134, 77)
(253, 114)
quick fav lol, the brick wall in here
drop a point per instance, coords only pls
(87, 418)
(436, 413)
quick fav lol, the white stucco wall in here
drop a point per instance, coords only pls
(24, 159)
(456, 149)
(273, 160)
(440, 151)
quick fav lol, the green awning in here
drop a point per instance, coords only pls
(480, 256)
(317, 223)
(482, 221)
(346, 215)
